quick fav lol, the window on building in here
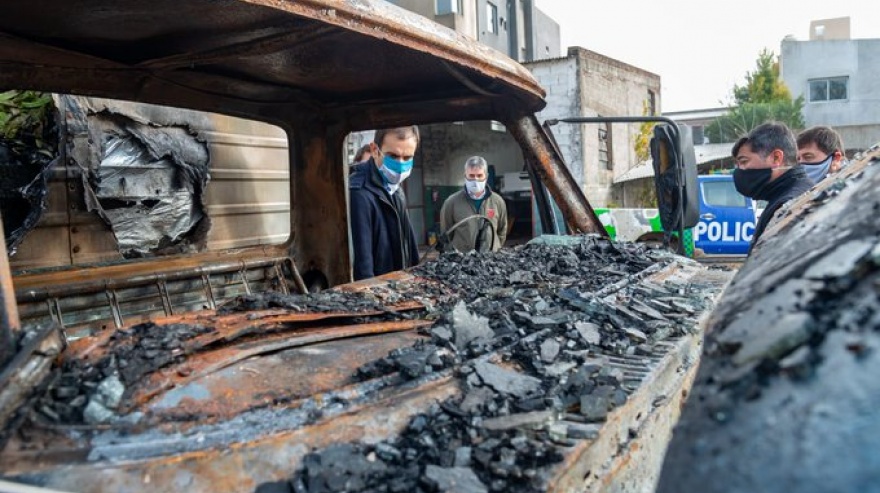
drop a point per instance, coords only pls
(491, 18)
(606, 160)
(448, 7)
(652, 103)
(831, 89)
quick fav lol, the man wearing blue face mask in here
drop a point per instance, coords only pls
(766, 170)
(820, 152)
(487, 231)
(382, 236)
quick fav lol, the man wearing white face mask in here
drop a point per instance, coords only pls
(477, 199)
(382, 235)
(820, 152)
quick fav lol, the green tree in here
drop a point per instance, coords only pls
(23, 119)
(643, 137)
(740, 120)
(764, 97)
(763, 85)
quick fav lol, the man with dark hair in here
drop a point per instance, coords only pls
(360, 157)
(820, 152)
(362, 154)
(382, 235)
(766, 169)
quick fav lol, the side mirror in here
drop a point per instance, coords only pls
(675, 177)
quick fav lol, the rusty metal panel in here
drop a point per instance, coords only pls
(236, 467)
(248, 198)
(227, 382)
(212, 58)
(548, 165)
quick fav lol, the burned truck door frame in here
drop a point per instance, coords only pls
(549, 174)
(675, 174)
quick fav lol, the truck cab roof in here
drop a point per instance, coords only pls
(367, 61)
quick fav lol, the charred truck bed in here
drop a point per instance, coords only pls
(544, 368)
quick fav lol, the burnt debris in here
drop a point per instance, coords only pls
(529, 339)
(324, 301)
(28, 151)
(789, 369)
(92, 391)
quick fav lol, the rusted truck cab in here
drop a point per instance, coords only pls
(245, 392)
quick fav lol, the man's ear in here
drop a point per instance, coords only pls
(778, 158)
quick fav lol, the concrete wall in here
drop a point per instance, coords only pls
(464, 22)
(858, 117)
(499, 40)
(445, 147)
(545, 36)
(424, 8)
(559, 78)
(826, 29)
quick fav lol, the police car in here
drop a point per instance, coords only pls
(727, 218)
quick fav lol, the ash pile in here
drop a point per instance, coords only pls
(94, 391)
(530, 340)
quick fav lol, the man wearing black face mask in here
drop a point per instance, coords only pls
(766, 170)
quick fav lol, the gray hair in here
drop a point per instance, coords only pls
(476, 162)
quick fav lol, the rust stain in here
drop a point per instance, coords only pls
(225, 327)
(203, 364)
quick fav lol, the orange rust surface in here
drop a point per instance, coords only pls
(200, 365)
(282, 381)
(110, 274)
(226, 327)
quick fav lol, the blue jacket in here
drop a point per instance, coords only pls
(382, 236)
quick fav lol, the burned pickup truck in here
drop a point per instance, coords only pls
(207, 365)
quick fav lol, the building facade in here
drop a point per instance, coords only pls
(514, 27)
(838, 80)
(586, 83)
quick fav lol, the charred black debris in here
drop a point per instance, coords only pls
(529, 338)
(92, 391)
(529, 333)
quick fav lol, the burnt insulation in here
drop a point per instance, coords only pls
(26, 158)
(148, 183)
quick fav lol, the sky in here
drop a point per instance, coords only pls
(700, 49)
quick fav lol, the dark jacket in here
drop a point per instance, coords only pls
(788, 186)
(382, 236)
